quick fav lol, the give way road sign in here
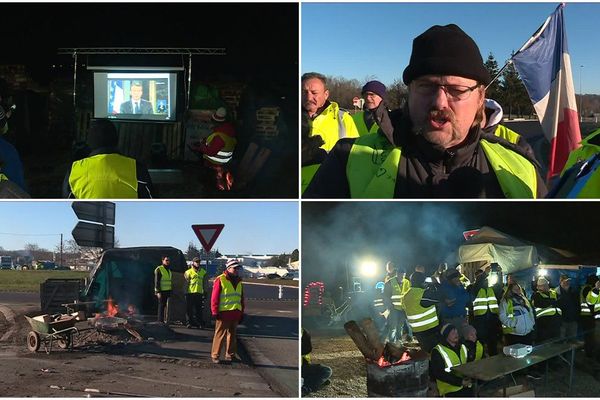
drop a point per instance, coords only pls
(208, 234)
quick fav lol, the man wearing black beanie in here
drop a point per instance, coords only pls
(434, 147)
(104, 173)
(374, 93)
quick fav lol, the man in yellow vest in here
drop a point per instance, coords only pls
(217, 149)
(444, 356)
(395, 287)
(421, 313)
(227, 307)
(373, 93)
(163, 287)
(105, 173)
(590, 313)
(326, 123)
(472, 348)
(197, 284)
(434, 147)
(484, 314)
(548, 316)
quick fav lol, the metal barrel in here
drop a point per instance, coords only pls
(408, 379)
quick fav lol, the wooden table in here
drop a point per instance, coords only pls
(499, 366)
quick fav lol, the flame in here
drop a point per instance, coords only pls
(111, 308)
(383, 363)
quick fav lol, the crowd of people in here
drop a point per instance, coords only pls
(458, 321)
(447, 141)
(226, 302)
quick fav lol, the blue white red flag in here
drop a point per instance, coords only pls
(116, 97)
(544, 66)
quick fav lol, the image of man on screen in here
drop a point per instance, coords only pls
(136, 105)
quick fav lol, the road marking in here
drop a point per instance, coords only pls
(164, 382)
(284, 311)
(10, 317)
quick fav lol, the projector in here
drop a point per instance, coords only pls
(517, 350)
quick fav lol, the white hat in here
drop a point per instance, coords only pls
(542, 281)
(220, 114)
(232, 263)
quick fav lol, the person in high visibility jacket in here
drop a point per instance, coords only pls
(589, 314)
(421, 313)
(105, 173)
(590, 147)
(484, 316)
(217, 149)
(517, 316)
(227, 307)
(444, 356)
(548, 316)
(197, 285)
(395, 287)
(314, 376)
(434, 147)
(326, 123)
(374, 93)
(471, 349)
(163, 287)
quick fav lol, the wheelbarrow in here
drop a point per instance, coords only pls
(46, 331)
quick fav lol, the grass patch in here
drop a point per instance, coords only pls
(29, 281)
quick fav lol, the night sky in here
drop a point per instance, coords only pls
(428, 232)
(257, 34)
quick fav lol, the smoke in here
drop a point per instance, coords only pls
(337, 236)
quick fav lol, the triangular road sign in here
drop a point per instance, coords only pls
(208, 234)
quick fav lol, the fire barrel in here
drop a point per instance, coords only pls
(407, 379)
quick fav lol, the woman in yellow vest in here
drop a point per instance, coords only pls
(197, 281)
(163, 287)
(227, 307)
(516, 315)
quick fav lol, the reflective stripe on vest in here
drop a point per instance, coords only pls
(224, 155)
(308, 173)
(451, 359)
(396, 297)
(165, 278)
(485, 300)
(231, 298)
(586, 308)
(419, 318)
(361, 126)
(195, 280)
(478, 352)
(373, 162)
(110, 176)
(547, 311)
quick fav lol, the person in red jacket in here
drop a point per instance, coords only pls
(217, 149)
(227, 307)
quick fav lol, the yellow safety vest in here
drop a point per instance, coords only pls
(397, 294)
(165, 278)
(591, 190)
(586, 308)
(451, 359)
(305, 357)
(478, 352)
(104, 176)
(226, 153)
(594, 299)
(230, 298)
(195, 280)
(507, 134)
(419, 318)
(484, 301)
(548, 311)
(373, 162)
(361, 126)
(509, 314)
(332, 125)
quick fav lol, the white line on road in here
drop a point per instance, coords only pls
(284, 311)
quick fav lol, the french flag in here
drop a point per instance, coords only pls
(544, 66)
(116, 97)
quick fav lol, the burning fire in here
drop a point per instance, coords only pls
(382, 362)
(111, 308)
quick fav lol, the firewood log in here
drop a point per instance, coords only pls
(360, 340)
(372, 335)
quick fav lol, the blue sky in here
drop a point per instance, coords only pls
(359, 40)
(250, 227)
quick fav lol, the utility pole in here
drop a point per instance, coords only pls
(61, 249)
(580, 96)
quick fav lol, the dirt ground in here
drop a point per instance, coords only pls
(169, 364)
(338, 351)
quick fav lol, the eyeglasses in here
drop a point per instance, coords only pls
(453, 92)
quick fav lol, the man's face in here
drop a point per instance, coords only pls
(372, 100)
(441, 117)
(233, 270)
(136, 93)
(166, 261)
(453, 337)
(196, 264)
(471, 335)
(565, 283)
(314, 95)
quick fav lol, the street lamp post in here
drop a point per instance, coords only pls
(580, 96)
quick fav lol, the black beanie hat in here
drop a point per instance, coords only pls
(445, 50)
(374, 86)
(102, 133)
